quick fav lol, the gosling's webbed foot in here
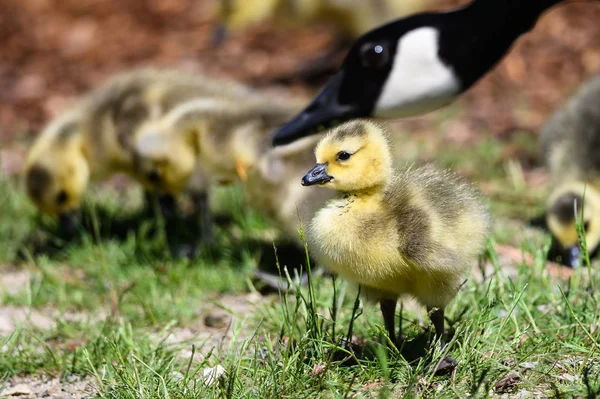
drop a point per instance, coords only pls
(204, 220)
(445, 366)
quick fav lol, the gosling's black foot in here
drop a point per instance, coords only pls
(445, 366)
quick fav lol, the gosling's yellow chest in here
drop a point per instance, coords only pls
(353, 237)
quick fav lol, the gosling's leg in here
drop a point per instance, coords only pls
(148, 209)
(388, 310)
(204, 217)
(447, 364)
(168, 209)
(166, 204)
(437, 318)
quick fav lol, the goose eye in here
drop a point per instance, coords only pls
(153, 177)
(374, 55)
(343, 156)
(62, 197)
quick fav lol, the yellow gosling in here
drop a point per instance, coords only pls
(570, 142)
(218, 135)
(95, 138)
(570, 203)
(414, 232)
(351, 17)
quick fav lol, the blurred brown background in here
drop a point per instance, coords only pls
(54, 50)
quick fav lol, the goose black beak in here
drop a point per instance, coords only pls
(317, 175)
(324, 112)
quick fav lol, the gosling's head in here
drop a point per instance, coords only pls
(352, 157)
(164, 160)
(56, 180)
(564, 204)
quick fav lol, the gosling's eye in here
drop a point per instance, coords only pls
(343, 156)
(153, 177)
(374, 55)
(586, 226)
(61, 197)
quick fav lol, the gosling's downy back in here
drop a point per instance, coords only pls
(436, 209)
(222, 135)
(125, 101)
(570, 139)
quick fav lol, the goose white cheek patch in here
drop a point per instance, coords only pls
(419, 81)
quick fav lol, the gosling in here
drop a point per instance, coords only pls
(570, 142)
(218, 138)
(222, 136)
(352, 18)
(411, 233)
(94, 139)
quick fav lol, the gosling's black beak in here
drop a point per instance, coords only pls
(324, 112)
(68, 223)
(317, 175)
(569, 257)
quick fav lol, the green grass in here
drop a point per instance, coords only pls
(131, 317)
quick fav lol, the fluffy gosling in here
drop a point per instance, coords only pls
(351, 17)
(570, 141)
(222, 136)
(411, 233)
(94, 139)
(219, 138)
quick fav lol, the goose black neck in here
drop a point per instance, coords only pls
(519, 15)
(482, 33)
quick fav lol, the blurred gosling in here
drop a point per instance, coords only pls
(570, 142)
(94, 139)
(352, 18)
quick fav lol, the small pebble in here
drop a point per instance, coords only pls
(213, 374)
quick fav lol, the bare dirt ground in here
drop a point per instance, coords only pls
(49, 387)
